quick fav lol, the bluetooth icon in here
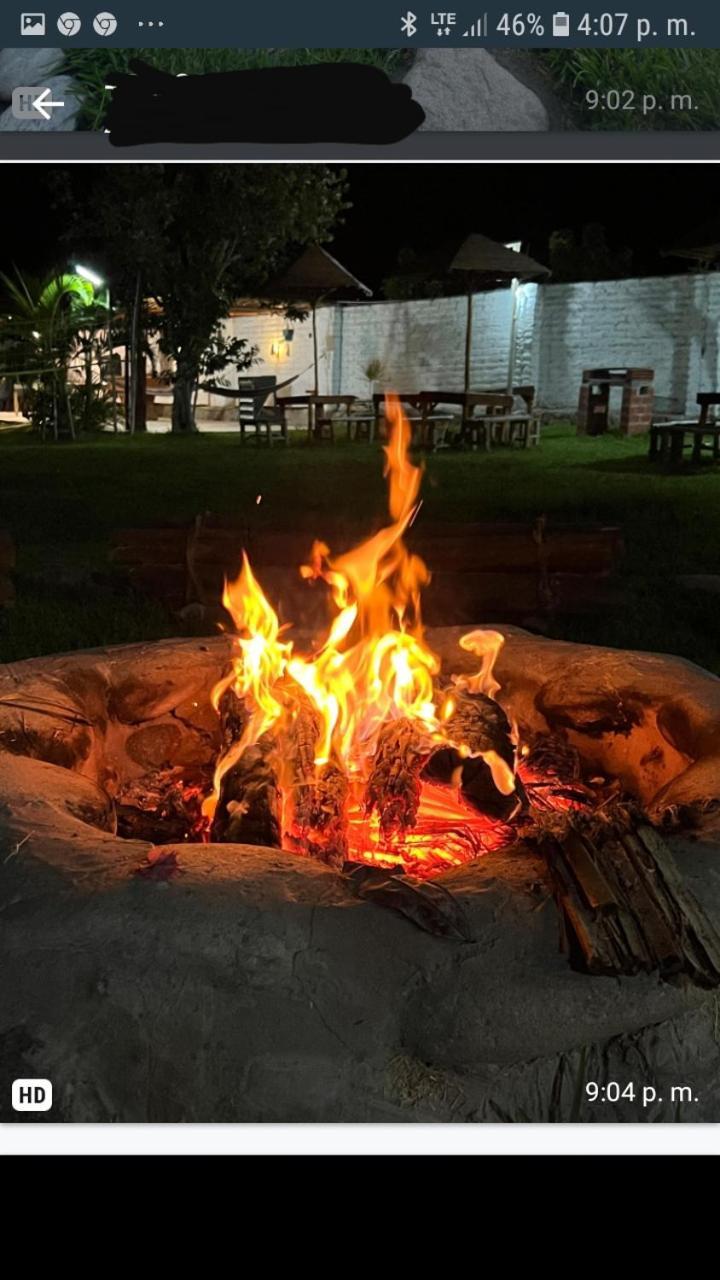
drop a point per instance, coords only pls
(408, 24)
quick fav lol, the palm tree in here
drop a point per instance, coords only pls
(48, 331)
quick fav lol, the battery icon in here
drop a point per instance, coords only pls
(561, 24)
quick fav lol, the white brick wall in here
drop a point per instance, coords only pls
(670, 324)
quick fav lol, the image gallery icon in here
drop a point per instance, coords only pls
(69, 24)
(105, 24)
(32, 24)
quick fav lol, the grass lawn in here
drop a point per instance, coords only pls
(93, 68)
(661, 72)
(62, 502)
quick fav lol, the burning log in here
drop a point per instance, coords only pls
(164, 806)
(233, 717)
(394, 784)
(552, 777)
(248, 809)
(319, 794)
(624, 908)
(479, 723)
(479, 726)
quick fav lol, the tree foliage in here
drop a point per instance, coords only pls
(51, 338)
(587, 256)
(201, 236)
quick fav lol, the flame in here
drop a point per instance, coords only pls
(486, 645)
(374, 664)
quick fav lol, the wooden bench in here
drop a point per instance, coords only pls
(507, 571)
(668, 441)
(668, 437)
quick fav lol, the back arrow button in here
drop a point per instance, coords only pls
(44, 104)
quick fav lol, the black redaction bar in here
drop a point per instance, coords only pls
(374, 23)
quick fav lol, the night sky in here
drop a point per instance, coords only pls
(644, 206)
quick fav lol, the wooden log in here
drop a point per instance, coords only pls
(518, 551)
(163, 553)
(164, 805)
(478, 723)
(458, 547)
(318, 794)
(234, 716)
(248, 809)
(504, 568)
(452, 593)
(624, 907)
(394, 785)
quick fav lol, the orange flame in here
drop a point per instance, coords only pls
(374, 665)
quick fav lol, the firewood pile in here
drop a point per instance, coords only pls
(514, 569)
(623, 906)
(318, 818)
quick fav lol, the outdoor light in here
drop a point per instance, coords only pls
(98, 282)
(92, 276)
(280, 349)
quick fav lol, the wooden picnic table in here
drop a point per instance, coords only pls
(423, 421)
(667, 440)
(474, 427)
(320, 422)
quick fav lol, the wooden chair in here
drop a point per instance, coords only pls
(481, 429)
(411, 405)
(707, 400)
(254, 412)
(329, 410)
(525, 393)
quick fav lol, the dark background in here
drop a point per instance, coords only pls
(645, 207)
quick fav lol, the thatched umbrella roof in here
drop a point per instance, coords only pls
(314, 276)
(488, 261)
(484, 262)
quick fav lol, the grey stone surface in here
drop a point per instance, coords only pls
(28, 66)
(61, 119)
(254, 986)
(466, 90)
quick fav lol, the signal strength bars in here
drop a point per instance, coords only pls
(478, 30)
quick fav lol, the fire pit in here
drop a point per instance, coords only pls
(386, 875)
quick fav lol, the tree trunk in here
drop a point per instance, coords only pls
(183, 418)
(140, 390)
(137, 418)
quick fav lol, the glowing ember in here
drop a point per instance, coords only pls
(374, 669)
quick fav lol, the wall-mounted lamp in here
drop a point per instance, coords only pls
(280, 350)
